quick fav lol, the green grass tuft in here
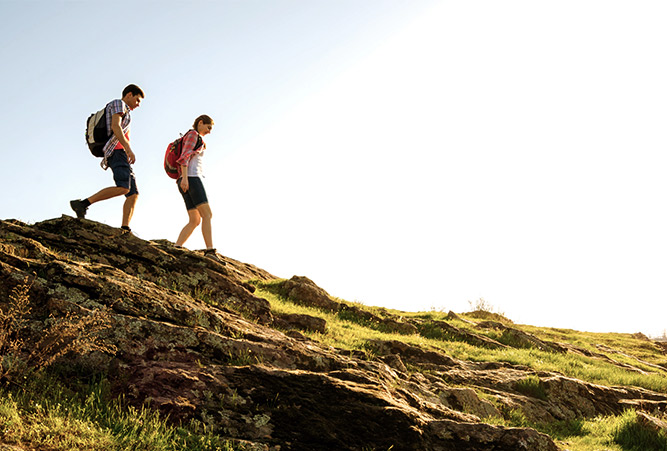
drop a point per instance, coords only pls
(532, 386)
(632, 436)
(46, 415)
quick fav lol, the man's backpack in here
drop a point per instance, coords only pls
(96, 132)
(173, 153)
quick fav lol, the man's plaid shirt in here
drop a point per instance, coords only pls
(115, 107)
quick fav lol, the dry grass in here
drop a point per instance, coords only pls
(38, 412)
(12, 320)
(71, 333)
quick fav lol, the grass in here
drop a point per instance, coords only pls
(43, 414)
(346, 333)
(616, 433)
(46, 415)
(531, 386)
(613, 433)
(38, 412)
(610, 433)
(632, 436)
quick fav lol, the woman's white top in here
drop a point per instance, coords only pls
(195, 167)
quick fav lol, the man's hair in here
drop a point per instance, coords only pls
(203, 118)
(134, 90)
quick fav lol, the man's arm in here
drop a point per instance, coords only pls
(118, 133)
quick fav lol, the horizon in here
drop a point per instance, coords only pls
(480, 306)
(403, 155)
(473, 307)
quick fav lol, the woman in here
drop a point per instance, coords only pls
(191, 187)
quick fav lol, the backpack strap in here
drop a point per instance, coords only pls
(186, 155)
(200, 142)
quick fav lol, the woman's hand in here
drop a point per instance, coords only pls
(185, 184)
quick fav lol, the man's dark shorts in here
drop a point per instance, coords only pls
(196, 195)
(122, 172)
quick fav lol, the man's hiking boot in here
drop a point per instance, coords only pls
(79, 208)
(213, 255)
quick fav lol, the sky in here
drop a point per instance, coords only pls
(416, 155)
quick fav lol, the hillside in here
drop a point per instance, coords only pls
(231, 357)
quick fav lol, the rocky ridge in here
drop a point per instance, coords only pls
(194, 341)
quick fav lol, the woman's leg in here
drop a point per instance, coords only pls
(205, 213)
(195, 219)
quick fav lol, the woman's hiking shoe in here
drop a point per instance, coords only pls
(213, 255)
(79, 208)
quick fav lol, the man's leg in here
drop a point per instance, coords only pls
(130, 197)
(128, 209)
(194, 220)
(81, 206)
(108, 193)
(122, 175)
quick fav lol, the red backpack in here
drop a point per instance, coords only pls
(173, 153)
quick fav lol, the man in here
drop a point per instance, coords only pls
(118, 156)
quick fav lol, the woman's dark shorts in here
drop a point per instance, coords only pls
(196, 194)
(122, 171)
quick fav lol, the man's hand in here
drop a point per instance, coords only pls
(130, 156)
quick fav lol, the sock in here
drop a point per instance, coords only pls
(125, 227)
(86, 203)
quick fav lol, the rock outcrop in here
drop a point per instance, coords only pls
(196, 342)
